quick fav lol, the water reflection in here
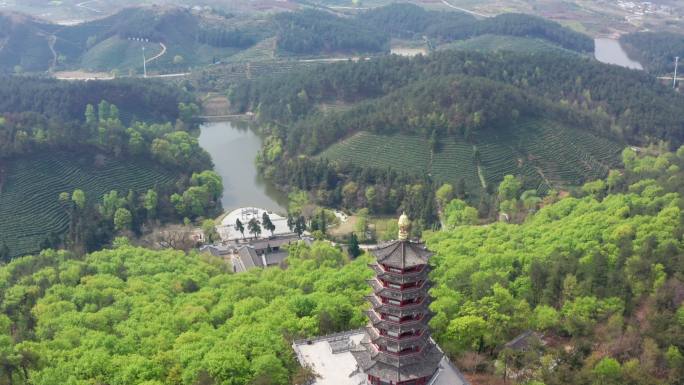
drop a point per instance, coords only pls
(233, 147)
(610, 51)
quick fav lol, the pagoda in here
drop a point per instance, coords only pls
(397, 348)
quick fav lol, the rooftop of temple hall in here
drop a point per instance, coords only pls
(331, 358)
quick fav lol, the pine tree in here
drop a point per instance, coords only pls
(240, 227)
(354, 249)
(300, 226)
(254, 227)
(267, 223)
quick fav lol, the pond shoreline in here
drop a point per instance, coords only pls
(233, 148)
(610, 51)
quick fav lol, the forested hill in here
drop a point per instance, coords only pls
(656, 51)
(599, 274)
(386, 133)
(144, 100)
(115, 42)
(76, 169)
(201, 37)
(133, 316)
(404, 20)
(441, 106)
(313, 32)
(24, 42)
(639, 109)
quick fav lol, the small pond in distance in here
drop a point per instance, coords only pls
(610, 51)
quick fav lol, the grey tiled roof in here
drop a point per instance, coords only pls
(217, 250)
(425, 365)
(402, 254)
(262, 244)
(247, 259)
(275, 258)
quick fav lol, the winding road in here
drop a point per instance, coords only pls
(448, 4)
(84, 5)
(160, 54)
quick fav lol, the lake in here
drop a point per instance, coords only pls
(233, 150)
(610, 51)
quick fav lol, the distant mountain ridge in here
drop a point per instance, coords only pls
(176, 39)
(116, 41)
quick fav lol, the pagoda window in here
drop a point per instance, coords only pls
(395, 286)
(393, 333)
(413, 301)
(394, 302)
(412, 333)
(394, 318)
(411, 349)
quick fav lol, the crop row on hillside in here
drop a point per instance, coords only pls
(567, 157)
(546, 155)
(29, 205)
(492, 43)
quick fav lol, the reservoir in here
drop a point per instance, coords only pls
(233, 150)
(610, 51)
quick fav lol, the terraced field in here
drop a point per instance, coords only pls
(545, 154)
(410, 154)
(29, 206)
(492, 43)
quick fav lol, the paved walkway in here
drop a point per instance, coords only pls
(228, 232)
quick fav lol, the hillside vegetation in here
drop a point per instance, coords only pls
(116, 42)
(656, 51)
(142, 100)
(23, 43)
(635, 106)
(131, 316)
(544, 154)
(124, 175)
(600, 274)
(30, 186)
(488, 103)
(315, 32)
(493, 43)
(195, 38)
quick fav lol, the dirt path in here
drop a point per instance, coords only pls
(448, 4)
(160, 54)
(480, 174)
(84, 5)
(52, 39)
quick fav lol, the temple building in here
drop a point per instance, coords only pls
(395, 348)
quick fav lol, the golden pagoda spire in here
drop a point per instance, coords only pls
(404, 227)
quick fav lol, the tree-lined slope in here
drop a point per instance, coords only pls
(116, 41)
(200, 37)
(132, 316)
(600, 274)
(656, 51)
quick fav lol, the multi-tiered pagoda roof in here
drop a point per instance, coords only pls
(397, 347)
